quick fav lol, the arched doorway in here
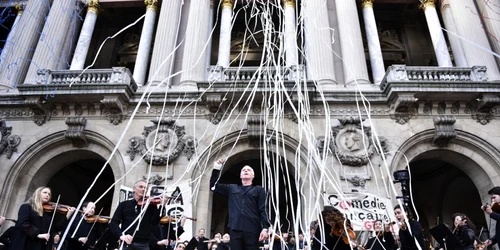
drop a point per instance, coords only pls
(282, 197)
(72, 181)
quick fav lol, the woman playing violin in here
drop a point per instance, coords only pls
(34, 222)
(383, 238)
(331, 233)
(408, 234)
(463, 229)
(84, 237)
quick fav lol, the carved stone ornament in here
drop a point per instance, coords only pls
(405, 106)
(255, 130)
(155, 180)
(41, 111)
(481, 108)
(115, 109)
(444, 130)
(322, 147)
(357, 181)
(8, 142)
(76, 131)
(162, 143)
(216, 108)
(352, 142)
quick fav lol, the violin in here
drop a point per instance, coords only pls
(153, 201)
(51, 206)
(97, 218)
(167, 219)
(337, 222)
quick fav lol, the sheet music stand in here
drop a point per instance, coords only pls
(445, 237)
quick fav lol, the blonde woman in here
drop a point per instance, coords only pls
(34, 222)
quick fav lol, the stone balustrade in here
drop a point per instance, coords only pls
(220, 74)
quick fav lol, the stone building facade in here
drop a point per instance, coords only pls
(334, 95)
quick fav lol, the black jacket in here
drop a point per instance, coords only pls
(83, 231)
(246, 205)
(466, 236)
(385, 242)
(407, 239)
(169, 231)
(330, 241)
(496, 238)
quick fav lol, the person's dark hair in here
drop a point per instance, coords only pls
(399, 207)
(466, 218)
(495, 190)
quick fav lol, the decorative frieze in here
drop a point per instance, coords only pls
(444, 130)
(8, 142)
(76, 131)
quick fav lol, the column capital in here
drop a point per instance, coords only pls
(151, 5)
(20, 8)
(227, 4)
(367, 3)
(290, 3)
(427, 3)
(93, 6)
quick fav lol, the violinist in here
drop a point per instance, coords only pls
(84, 237)
(132, 236)
(495, 199)
(408, 235)
(325, 236)
(383, 238)
(35, 222)
(167, 234)
(463, 229)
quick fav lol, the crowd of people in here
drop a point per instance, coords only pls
(137, 224)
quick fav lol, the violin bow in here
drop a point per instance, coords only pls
(53, 216)
(93, 224)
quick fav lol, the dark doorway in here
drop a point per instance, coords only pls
(72, 181)
(274, 176)
(440, 190)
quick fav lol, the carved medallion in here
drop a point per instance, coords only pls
(352, 143)
(162, 143)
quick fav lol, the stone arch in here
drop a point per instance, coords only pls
(473, 155)
(237, 143)
(34, 167)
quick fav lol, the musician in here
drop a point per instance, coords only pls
(84, 237)
(324, 237)
(407, 238)
(168, 233)
(302, 243)
(7, 237)
(463, 229)
(495, 198)
(383, 238)
(202, 240)
(34, 222)
(224, 244)
(248, 220)
(135, 237)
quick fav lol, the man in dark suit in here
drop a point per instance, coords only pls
(494, 214)
(248, 220)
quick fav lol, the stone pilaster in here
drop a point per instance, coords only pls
(142, 60)
(437, 36)
(473, 37)
(225, 33)
(319, 51)
(194, 55)
(19, 49)
(165, 42)
(13, 30)
(374, 49)
(490, 12)
(456, 45)
(353, 53)
(52, 40)
(291, 56)
(82, 47)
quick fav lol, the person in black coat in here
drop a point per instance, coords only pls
(383, 239)
(7, 237)
(33, 223)
(248, 220)
(494, 213)
(406, 237)
(133, 236)
(463, 229)
(168, 233)
(324, 237)
(85, 236)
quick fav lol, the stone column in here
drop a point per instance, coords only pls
(291, 56)
(225, 34)
(490, 11)
(19, 49)
(319, 51)
(12, 33)
(142, 60)
(165, 42)
(51, 43)
(473, 37)
(456, 45)
(194, 55)
(374, 49)
(82, 47)
(437, 36)
(351, 42)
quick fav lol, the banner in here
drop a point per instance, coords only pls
(362, 209)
